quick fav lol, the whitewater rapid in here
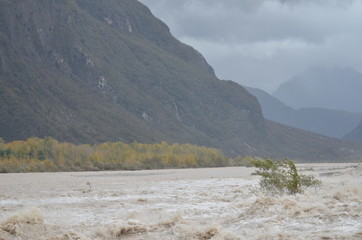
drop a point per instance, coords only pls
(216, 203)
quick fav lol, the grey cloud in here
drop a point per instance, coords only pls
(247, 20)
(262, 43)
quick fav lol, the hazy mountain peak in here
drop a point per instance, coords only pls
(333, 123)
(330, 88)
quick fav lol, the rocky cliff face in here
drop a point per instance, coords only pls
(88, 71)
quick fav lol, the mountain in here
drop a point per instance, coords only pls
(88, 71)
(335, 88)
(355, 135)
(332, 123)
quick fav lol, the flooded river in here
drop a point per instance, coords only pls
(216, 203)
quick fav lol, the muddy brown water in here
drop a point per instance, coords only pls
(216, 203)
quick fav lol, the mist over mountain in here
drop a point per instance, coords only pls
(272, 41)
(92, 71)
(333, 123)
(335, 88)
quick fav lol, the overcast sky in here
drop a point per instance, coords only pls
(262, 43)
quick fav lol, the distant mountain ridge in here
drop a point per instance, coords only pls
(93, 71)
(355, 135)
(335, 88)
(332, 123)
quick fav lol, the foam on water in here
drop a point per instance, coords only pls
(175, 204)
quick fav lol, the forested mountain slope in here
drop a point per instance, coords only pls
(89, 71)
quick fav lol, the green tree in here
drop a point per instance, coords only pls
(282, 177)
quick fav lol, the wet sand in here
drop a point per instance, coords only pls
(216, 203)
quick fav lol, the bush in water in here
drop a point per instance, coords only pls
(281, 177)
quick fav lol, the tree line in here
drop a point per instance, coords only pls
(48, 154)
